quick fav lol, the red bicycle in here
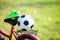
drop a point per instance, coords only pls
(21, 36)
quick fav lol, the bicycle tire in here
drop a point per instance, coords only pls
(27, 36)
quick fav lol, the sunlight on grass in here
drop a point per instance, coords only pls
(47, 17)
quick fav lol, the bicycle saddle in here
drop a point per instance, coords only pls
(13, 22)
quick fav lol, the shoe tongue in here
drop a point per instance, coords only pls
(13, 14)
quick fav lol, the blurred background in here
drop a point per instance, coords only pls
(46, 14)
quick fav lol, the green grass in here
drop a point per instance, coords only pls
(47, 17)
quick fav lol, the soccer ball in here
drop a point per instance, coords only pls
(25, 22)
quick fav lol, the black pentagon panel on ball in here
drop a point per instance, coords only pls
(32, 26)
(24, 30)
(22, 16)
(26, 23)
(18, 23)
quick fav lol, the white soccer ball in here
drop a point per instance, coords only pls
(25, 22)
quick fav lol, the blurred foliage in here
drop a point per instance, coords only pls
(46, 14)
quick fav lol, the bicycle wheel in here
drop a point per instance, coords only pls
(26, 37)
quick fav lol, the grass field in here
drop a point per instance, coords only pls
(46, 14)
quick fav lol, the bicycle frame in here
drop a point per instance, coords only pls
(12, 32)
(9, 35)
